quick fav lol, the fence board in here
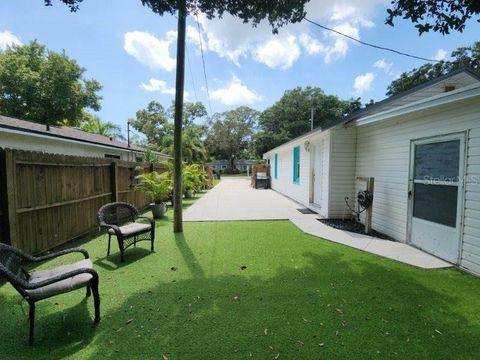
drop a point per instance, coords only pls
(51, 199)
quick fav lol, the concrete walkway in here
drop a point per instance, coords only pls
(234, 199)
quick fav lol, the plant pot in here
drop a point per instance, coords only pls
(188, 194)
(158, 210)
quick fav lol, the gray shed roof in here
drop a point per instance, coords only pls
(65, 132)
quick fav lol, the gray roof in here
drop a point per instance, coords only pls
(227, 162)
(379, 106)
(65, 132)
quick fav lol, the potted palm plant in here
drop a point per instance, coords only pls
(189, 181)
(158, 187)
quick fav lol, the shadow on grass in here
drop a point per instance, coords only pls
(188, 256)
(328, 309)
(302, 299)
(58, 334)
(131, 255)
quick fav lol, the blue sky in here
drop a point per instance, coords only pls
(131, 51)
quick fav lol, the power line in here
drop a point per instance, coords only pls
(368, 44)
(203, 62)
(191, 74)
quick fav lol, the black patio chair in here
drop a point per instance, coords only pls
(120, 219)
(42, 284)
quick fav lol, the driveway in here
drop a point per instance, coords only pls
(234, 199)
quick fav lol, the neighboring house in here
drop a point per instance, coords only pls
(218, 165)
(422, 148)
(240, 164)
(26, 135)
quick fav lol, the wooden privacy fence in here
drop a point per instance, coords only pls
(49, 199)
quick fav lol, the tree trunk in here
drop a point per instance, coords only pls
(178, 124)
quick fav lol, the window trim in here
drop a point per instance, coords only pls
(296, 165)
(275, 166)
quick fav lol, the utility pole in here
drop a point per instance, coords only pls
(128, 133)
(311, 119)
(178, 122)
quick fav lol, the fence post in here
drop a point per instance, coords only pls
(10, 182)
(368, 214)
(114, 180)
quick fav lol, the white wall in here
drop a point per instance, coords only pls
(383, 151)
(43, 144)
(321, 147)
(284, 183)
(342, 170)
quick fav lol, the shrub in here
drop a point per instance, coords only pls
(157, 186)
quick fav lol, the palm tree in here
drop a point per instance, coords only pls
(192, 146)
(93, 124)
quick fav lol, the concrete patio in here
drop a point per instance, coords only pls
(234, 199)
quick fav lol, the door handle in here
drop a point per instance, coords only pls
(410, 195)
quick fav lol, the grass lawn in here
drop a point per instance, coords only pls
(298, 298)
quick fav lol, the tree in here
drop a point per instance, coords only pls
(290, 116)
(153, 123)
(436, 15)
(264, 141)
(191, 112)
(231, 133)
(277, 13)
(44, 86)
(93, 124)
(156, 124)
(461, 57)
(192, 145)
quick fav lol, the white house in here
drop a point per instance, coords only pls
(422, 148)
(26, 135)
(240, 164)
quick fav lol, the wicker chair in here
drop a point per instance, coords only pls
(120, 220)
(42, 284)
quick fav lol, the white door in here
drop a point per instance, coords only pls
(436, 195)
(317, 173)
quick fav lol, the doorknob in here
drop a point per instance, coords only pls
(409, 194)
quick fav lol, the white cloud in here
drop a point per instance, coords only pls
(234, 40)
(149, 50)
(441, 54)
(278, 53)
(8, 39)
(161, 86)
(363, 83)
(310, 45)
(235, 93)
(158, 85)
(385, 66)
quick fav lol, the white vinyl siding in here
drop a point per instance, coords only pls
(471, 234)
(60, 146)
(284, 183)
(342, 170)
(383, 152)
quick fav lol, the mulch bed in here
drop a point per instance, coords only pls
(353, 226)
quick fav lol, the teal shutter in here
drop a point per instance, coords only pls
(275, 167)
(296, 164)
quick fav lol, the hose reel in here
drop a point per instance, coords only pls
(364, 201)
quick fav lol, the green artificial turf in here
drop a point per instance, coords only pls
(297, 297)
